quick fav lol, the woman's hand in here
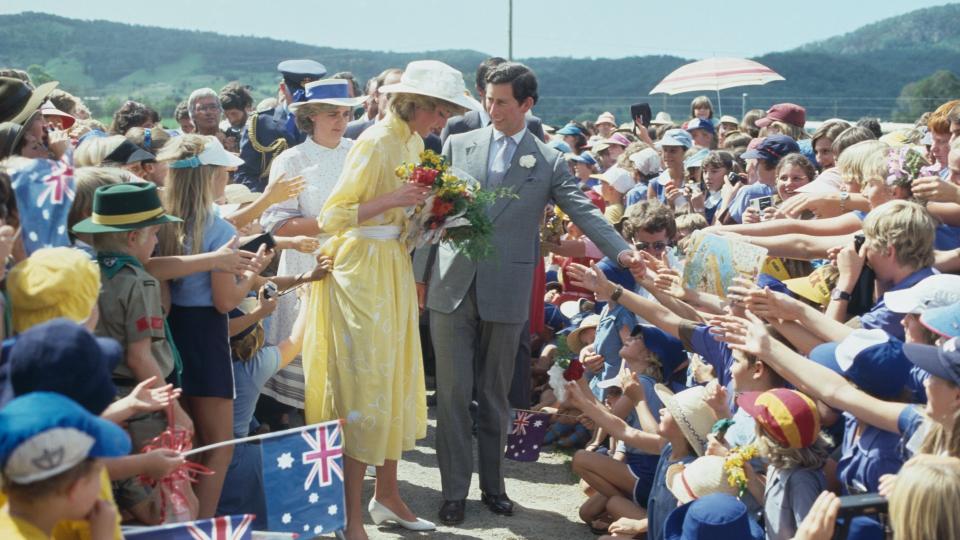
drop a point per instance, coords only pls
(305, 244)
(409, 194)
(591, 279)
(933, 189)
(324, 267)
(284, 188)
(821, 519)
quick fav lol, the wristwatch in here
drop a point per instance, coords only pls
(616, 293)
(837, 294)
(844, 197)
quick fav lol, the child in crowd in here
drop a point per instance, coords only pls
(124, 226)
(50, 456)
(200, 302)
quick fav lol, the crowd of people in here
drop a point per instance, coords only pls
(241, 267)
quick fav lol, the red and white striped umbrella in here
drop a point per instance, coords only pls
(716, 74)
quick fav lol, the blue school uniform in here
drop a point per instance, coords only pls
(743, 197)
(643, 466)
(661, 501)
(881, 317)
(607, 342)
(864, 461)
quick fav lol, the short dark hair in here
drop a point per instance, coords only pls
(485, 68)
(132, 114)
(849, 137)
(873, 124)
(520, 77)
(649, 216)
(235, 96)
(182, 111)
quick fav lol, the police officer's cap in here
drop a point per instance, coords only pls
(302, 69)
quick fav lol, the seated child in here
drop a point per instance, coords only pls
(50, 458)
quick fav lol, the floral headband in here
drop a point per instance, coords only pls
(905, 164)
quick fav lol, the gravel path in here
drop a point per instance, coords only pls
(545, 495)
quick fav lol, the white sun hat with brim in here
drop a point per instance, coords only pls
(213, 154)
(701, 477)
(433, 79)
(573, 338)
(934, 291)
(329, 91)
(690, 412)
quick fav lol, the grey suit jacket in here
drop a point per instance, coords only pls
(356, 127)
(504, 281)
(471, 121)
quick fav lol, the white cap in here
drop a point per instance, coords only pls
(935, 291)
(647, 161)
(620, 179)
(215, 154)
(48, 454)
(856, 342)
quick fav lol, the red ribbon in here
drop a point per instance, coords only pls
(177, 439)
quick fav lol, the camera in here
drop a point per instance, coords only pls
(270, 290)
(871, 505)
(733, 178)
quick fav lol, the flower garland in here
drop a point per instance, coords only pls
(905, 164)
(456, 209)
(734, 464)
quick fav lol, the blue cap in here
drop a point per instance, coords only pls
(569, 129)
(43, 434)
(766, 280)
(584, 157)
(553, 318)
(772, 148)
(942, 361)
(299, 70)
(63, 357)
(806, 148)
(700, 123)
(559, 145)
(871, 359)
(710, 517)
(616, 274)
(668, 349)
(944, 320)
(696, 159)
(675, 137)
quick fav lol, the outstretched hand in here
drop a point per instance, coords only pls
(283, 188)
(230, 258)
(144, 399)
(747, 335)
(591, 279)
(821, 519)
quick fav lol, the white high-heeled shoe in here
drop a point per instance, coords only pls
(380, 513)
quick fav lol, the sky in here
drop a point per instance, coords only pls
(604, 29)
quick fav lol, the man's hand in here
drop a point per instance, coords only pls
(421, 295)
(633, 261)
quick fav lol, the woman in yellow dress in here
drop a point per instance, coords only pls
(361, 358)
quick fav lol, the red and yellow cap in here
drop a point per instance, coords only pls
(787, 416)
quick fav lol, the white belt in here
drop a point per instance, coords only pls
(378, 232)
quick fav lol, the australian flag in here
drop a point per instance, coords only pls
(303, 480)
(526, 437)
(218, 528)
(44, 193)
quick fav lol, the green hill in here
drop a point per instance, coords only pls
(857, 74)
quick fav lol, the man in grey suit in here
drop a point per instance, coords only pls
(478, 308)
(477, 119)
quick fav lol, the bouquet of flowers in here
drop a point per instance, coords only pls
(456, 209)
(565, 368)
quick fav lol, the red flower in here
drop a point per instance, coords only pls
(574, 371)
(424, 176)
(441, 207)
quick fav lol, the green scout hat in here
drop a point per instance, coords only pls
(124, 207)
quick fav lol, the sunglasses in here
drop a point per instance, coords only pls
(650, 246)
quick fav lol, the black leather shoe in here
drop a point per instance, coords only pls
(498, 504)
(451, 512)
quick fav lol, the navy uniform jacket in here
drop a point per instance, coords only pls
(272, 137)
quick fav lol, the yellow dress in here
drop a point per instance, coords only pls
(361, 352)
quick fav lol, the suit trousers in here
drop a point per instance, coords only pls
(461, 338)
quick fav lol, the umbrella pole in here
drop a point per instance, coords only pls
(719, 105)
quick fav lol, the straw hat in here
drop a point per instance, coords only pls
(329, 91)
(703, 476)
(434, 79)
(690, 412)
(573, 338)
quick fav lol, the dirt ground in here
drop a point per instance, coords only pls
(545, 495)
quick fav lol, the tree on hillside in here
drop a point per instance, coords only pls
(38, 75)
(925, 95)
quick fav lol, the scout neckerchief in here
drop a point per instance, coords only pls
(110, 264)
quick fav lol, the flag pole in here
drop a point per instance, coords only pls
(251, 438)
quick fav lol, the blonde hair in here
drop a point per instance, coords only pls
(814, 456)
(86, 182)
(941, 440)
(94, 150)
(863, 160)
(187, 193)
(404, 105)
(158, 138)
(795, 132)
(923, 504)
(305, 111)
(905, 226)
(691, 221)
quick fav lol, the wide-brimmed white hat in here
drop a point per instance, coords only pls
(690, 412)
(329, 91)
(434, 79)
(213, 154)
